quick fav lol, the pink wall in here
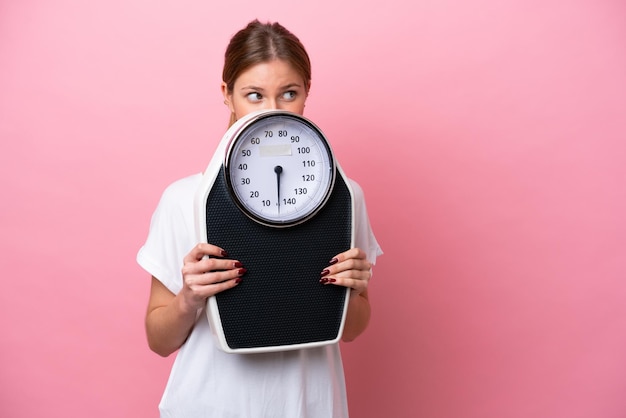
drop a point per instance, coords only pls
(489, 137)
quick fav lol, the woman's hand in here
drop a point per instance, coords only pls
(350, 269)
(206, 272)
(170, 318)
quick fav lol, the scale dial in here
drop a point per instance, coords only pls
(279, 168)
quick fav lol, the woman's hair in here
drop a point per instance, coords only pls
(263, 42)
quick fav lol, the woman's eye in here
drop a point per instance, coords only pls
(254, 97)
(289, 95)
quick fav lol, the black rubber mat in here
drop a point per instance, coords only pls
(280, 301)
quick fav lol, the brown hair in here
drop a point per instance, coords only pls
(262, 42)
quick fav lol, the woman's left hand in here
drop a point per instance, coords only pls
(350, 269)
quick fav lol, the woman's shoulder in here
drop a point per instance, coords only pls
(357, 191)
(182, 189)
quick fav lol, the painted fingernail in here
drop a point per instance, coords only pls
(325, 272)
(224, 253)
(237, 264)
(238, 280)
(333, 261)
(241, 272)
(332, 280)
(324, 281)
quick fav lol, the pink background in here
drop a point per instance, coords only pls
(489, 137)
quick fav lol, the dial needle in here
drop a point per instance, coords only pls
(278, 170)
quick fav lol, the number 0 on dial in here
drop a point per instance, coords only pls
(279, 168)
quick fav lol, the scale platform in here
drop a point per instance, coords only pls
(280, 304)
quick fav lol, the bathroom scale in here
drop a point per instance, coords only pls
(275, 198)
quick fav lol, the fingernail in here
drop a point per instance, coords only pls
(238, 280)
(237, 264)
(325, 272)
(241, 272)
(323, 281)
(224, 253)
(332, 280)
(333, 261)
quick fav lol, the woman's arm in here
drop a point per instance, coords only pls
(358, 316)
(170, 318)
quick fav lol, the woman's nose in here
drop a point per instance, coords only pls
(271, 104)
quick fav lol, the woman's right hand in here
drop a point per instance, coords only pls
(207, 272)
(171, 317)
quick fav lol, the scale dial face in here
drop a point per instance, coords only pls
(279, 168)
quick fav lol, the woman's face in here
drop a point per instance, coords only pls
(268, 85)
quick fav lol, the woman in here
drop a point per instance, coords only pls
(266, 67)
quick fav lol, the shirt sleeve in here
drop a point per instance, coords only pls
(171, 236)
(364, 236)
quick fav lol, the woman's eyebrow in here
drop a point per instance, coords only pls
(252, 87)
(291, 85)
(287, 86)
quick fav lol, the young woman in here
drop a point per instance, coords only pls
(266, 67)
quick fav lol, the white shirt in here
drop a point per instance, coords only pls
(207, 382)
